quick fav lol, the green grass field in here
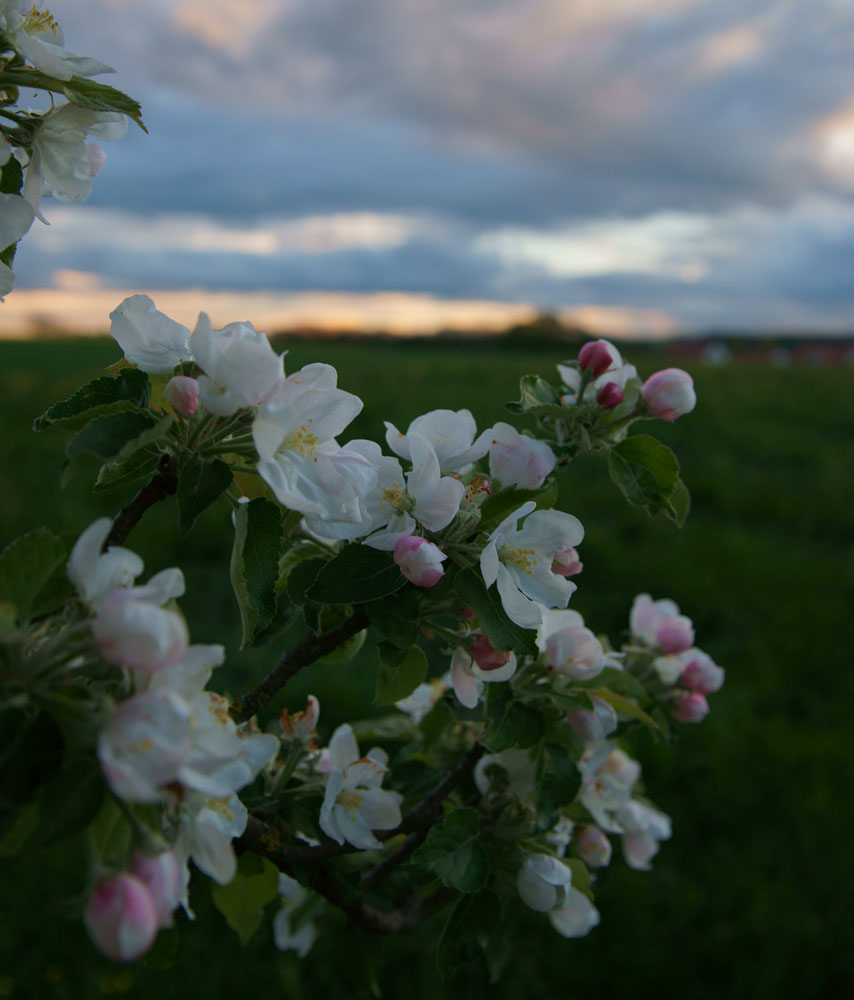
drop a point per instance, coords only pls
(751, 896)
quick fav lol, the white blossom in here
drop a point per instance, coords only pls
(62, 163)
(96, 574)
(577, 917)
(451, 434)
(151, 341)
(241, 368)
(520, 562)
(542, 882)
(298, 455)
(354, 803)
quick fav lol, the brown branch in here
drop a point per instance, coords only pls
(394, 860)
(163, 484)
(260, 838)
(312, 648)
(360, 914)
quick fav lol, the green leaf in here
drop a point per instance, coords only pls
(571, 701)
(347, 650)
(558, 781)
(301, 577)
(242, 901)
(86, 93)
(11, 176)
(68, 802)
(494, 509)
(453, 851)
(646, 471)
(399, 673)
(396, 617)
(131, 388)
(115, 437)
(110, 835)
(436, 722)
(27, 565)
(511, 723)
(356, 575)
(491, 617)
(255, 563)
(580, 877)
(467, 932)
(620, 681)
(625, 706)
(199, 484)
(7, 256)
(680, 503)
(140, 466)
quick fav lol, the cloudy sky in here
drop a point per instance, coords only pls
(647, 165)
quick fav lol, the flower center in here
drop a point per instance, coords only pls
(349, 799)
(524, 559)
(38, 20)
(394, 496)
(302, 441)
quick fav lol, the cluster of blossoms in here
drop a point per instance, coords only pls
(170, 741)
(444, 548)
(48, 152)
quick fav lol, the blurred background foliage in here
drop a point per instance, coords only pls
(752, 894)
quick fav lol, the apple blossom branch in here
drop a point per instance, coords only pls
(309, 649)
(163, 484)
(259, 838)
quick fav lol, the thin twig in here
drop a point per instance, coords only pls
(163, 484)
(259, 838)
(312, 648)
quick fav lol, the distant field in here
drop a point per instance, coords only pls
(752, 895)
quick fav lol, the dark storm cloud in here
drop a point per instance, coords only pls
(533, 118)
(639, 106)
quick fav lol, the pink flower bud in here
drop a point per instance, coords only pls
(468, 613)
(609, 396)
(594, 847)
(121, 918)
(702, 674)
(139, 635)
(598, 356)
(690, 707)
(595, 725)
(566, 563)
(669, 393)
(182, 392)
(301, 725)
(163, 876)
(675, 634)
(486, 656)
(420, 561)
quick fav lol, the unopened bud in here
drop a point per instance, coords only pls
(162, 876)
(566, 563)
(691, 707)
(420, 561)
(702, 674)
(594, 847)
(182, 392)
(598, 356)
(121, 918)
(486, 656)
(609, 396)
(669, 393)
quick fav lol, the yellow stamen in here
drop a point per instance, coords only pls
(523, 558)
(349, 799)
(303, 441)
